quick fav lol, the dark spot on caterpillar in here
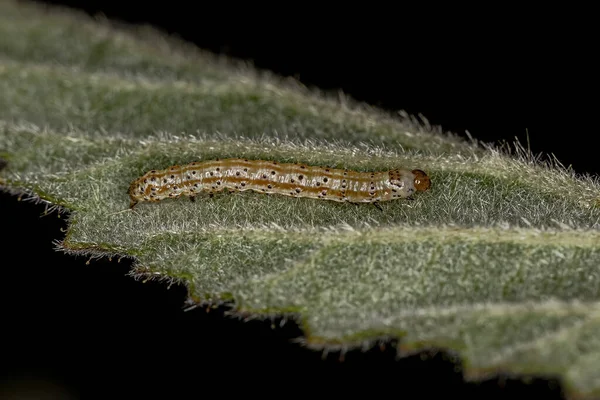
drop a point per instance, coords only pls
(298, 190)
(300, 177)
(218, 182)
(211, 173)
(345, 173)
(324, 179)
(318, 183)
(153, 171)
(324, 192)
(152, 179)
(245, 160)
(326, 169)
(272, 172)
(264, 176)
(193, 172)
(213, 187)
(371, 193)
(237, 187)
(243, 183)
(246, 169)
(174, 187)
(270, 186)
(394, 190)
(218, 169)
(372, 187)
(292, 180)
(145, 180)
(153, 189)
(172, 176)
(237, 173)
(302, 166)
(189, 177)
(165, 180)
(217, 159)
(195, 185)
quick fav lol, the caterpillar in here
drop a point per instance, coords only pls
(272, 177)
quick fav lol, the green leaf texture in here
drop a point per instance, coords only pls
(499, 262)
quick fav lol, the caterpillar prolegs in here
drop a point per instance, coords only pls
(296, 180)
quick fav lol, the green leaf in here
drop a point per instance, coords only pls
(498, 262)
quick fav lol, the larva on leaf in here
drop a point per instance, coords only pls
(296, 180)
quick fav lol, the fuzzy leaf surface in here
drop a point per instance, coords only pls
(498, 262)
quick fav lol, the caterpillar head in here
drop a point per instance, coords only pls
(422, 181)
(408, 183)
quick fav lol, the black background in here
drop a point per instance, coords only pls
(497, 73)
